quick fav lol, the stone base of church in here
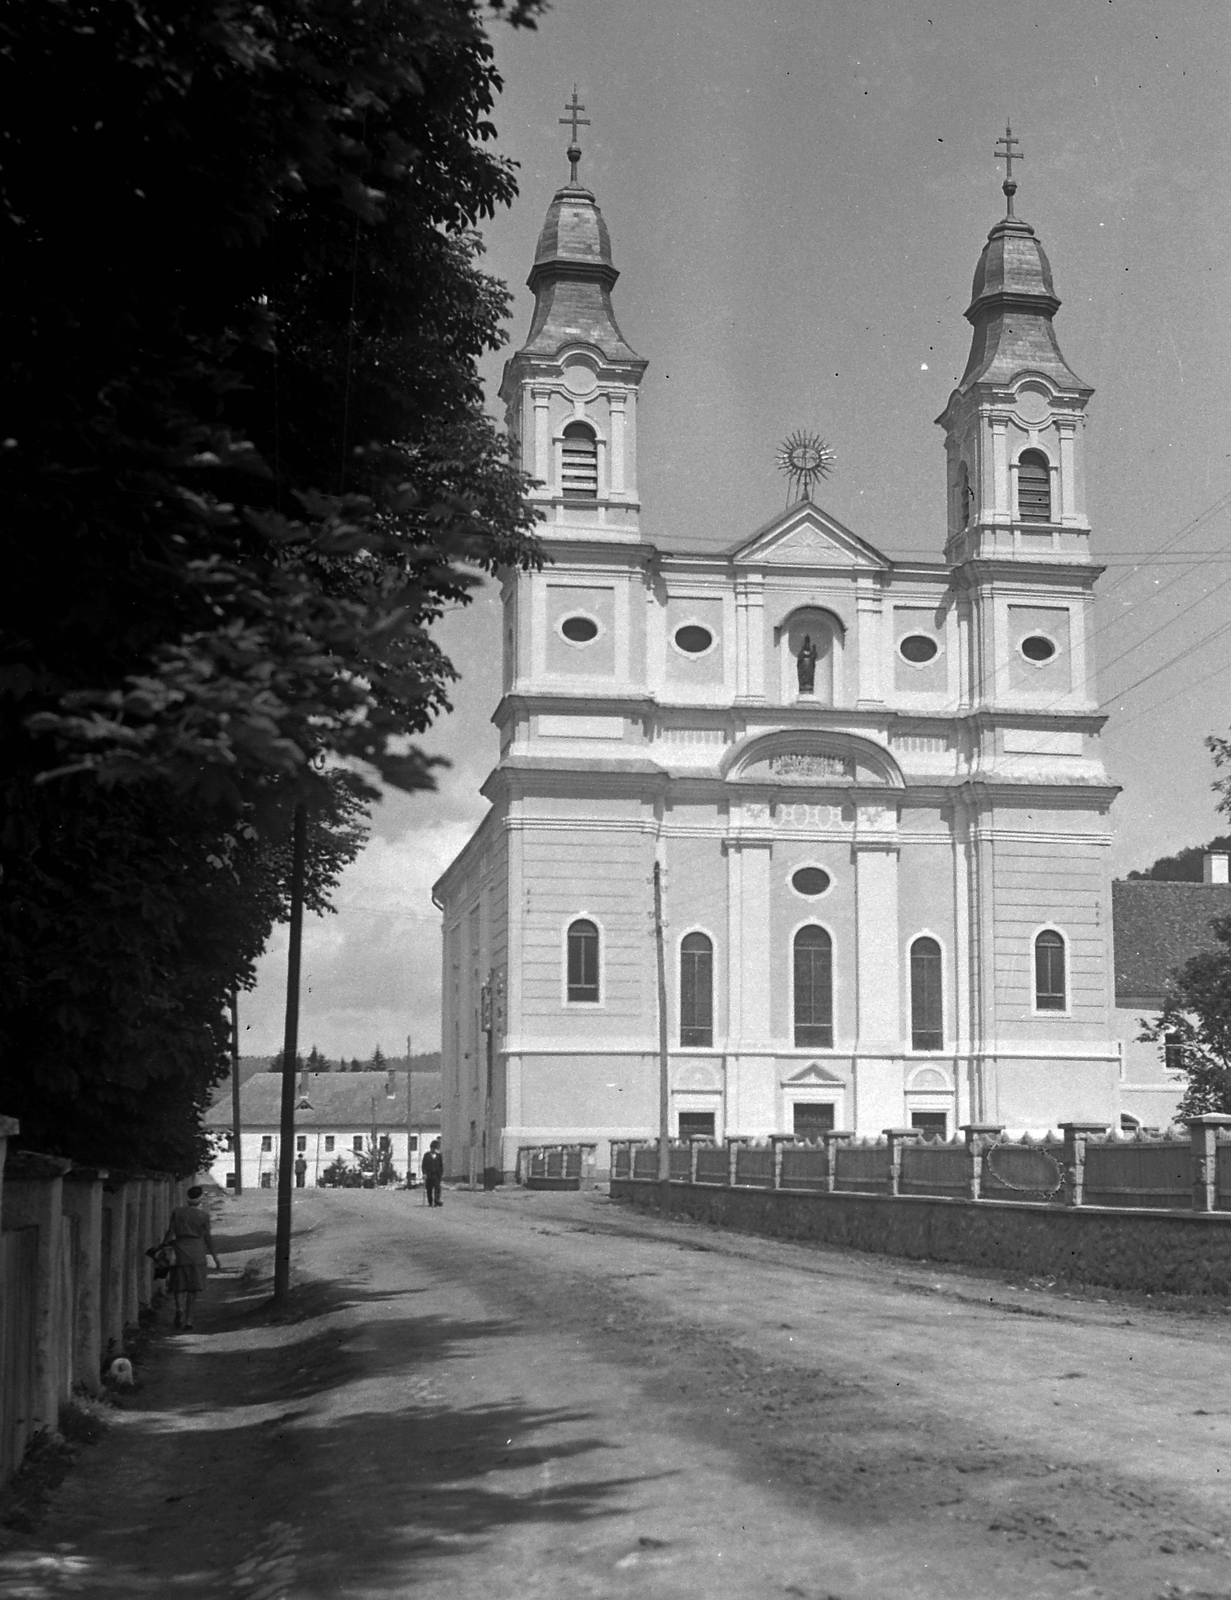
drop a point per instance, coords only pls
(759, 1093)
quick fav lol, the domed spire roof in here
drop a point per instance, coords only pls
(573, 275)
(574, 235)
(1012, 303)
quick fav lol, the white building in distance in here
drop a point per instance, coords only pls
(336, 1115)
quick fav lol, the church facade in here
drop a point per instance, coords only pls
(872, 788)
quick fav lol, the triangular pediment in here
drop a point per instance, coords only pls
(813, 1073)
(805, 536)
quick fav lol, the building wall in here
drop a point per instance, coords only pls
(260, 1147)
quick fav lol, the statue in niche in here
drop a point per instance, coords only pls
(805, 665)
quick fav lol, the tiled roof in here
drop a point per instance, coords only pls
(1158, 927)
(337, 1100)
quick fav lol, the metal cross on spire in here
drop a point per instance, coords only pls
(574, 121)
(1008, 155)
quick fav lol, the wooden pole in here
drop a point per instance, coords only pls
(235, 1127)
(290, 1050)
(664, 1079)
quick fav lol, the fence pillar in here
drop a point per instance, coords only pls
(777, 1163)
(33, 1198)
(83, 1198)
(1075, 1137)
(732, 1157)
(832, 1142)
(979, 1135)
(1203, 1131)
(132, 1252)
(112, 1272)
(896, 1138)
(692, 1161)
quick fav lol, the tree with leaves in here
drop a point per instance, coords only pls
(245, 465)
(1196, 1019)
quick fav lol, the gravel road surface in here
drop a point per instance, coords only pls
(548, 1395)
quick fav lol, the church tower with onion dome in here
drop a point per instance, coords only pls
(869, 790)
(570, 392)
(1013, 426)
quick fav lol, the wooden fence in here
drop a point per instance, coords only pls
(1084, 1165)
(74, 1277)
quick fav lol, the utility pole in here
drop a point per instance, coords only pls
(664, 1080)
(235, 1128)
(290, 1050)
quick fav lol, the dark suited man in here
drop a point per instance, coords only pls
(433, 1171)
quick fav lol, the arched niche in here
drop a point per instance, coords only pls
(827, 637)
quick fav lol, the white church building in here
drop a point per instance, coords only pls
(874, 786)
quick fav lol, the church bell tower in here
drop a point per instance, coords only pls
(570, 392)
(1013, 426)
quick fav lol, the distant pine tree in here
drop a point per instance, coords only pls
(378, 1060)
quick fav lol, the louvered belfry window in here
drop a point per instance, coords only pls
(1033, 487)
(579, 465)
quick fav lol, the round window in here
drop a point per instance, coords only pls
(918, 648)
(1038, 647)
(810, 881)
(580, 630)
(693, 639)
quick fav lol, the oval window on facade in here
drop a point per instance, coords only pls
(1038, 647)
(579, 630)
(693, 639)
(810, 881)
(917, 648)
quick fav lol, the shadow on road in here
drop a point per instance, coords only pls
(313, 1452)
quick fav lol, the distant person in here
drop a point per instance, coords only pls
(189, 1232)
(433, 1171)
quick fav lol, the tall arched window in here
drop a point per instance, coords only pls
(579, 463)
(813, 989)
(583, 961)
(696, 990)
(927, 1030)
(1033, 487)
(1050, 991)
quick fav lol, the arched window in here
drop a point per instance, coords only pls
(813, 989)
(579, 465)
(1033, 487)
(1050, 993)
(927, 1031)
(696, 990)
(583, 962)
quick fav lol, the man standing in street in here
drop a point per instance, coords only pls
(433, 1171)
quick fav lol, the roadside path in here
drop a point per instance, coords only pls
(550, 1395)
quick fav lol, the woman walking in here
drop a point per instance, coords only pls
(188, 1231)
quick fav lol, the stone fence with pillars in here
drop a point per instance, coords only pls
(74, 1278)
(1038, 1208)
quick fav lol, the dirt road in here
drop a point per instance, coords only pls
(548, 1396)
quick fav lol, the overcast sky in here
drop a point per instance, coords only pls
(797, 196)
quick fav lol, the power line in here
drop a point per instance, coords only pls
(1174, 661)
(1144, 711)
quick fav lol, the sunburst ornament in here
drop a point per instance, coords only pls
(804, 457)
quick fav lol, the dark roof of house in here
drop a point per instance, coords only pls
(338, 1100)
(1158, 926)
